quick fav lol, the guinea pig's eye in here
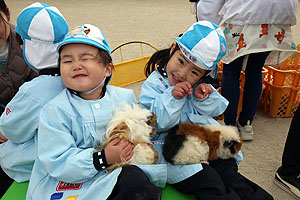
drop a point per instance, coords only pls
(227, 143)
(149, 120)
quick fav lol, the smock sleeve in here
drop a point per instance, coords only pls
(19, 121)
(161, 102)
(213, 105)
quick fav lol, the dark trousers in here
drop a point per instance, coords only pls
(133, 184)
(291, 153)
(252, 89)
(221, 181)
(5, 182)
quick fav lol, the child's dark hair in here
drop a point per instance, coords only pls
(3, 8)
(162, 57)
(106, 59)
(19, 39)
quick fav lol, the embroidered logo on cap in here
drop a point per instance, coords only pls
(81, 31)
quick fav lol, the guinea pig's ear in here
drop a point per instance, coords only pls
(121, 128)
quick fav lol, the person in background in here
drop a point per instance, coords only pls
(40, 28)
(287, 176)
(73, 124)
(13, 68)
(258, 33)
(13, 72)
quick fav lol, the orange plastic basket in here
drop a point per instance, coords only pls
(280, 77)
(292, 63)
(281, 96)
(279, 101)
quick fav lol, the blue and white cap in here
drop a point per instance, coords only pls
(204, 45)
(86, 34)
(42, 28)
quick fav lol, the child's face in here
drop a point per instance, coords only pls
(180, 69)
(82, 69)
(4, 28)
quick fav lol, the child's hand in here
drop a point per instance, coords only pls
(115, 150)
(2, 138)
(182, 89)
(202, 90)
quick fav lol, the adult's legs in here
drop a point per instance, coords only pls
(291, 154)
(133, 184)
(231, 89)
(206, 184)
(243, 187)
(253, 86)
(287, 176)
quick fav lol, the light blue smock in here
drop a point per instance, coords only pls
(19, 123)
(69, 129)
(156, 95)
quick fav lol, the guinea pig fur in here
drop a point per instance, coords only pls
(136, 125)
(188, 143)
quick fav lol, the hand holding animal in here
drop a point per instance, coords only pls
(188, 143)
(132, 125)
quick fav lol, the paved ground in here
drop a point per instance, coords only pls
(159, 22)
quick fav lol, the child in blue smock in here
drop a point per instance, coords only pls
(73, 123)
(40, 28)
(176, 91)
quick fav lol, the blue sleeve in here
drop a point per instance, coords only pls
(213, 105)
(58, 151)
(19, 121)
(239, 157)
(161, 102)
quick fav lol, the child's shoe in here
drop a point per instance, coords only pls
(246, 132)
(290, 184)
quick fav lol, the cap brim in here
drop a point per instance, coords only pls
(40, 55)
(83, 41)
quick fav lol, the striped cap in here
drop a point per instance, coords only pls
(42, 27)
(204, 45)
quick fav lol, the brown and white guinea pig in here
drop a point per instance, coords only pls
(189, 143)
(137, 125)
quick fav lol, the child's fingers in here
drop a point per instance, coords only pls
(128, 151)
(128, 156)
(186, 86)
(202, 90)
(115, 141)
(178, 94)
(210, 90)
